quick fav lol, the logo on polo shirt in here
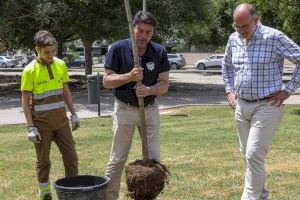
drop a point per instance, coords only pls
(42, 82)
(150, 66)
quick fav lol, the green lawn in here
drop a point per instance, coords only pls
(198, 144)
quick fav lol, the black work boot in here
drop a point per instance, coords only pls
(47, 197)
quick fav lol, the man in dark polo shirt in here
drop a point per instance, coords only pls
(121, 76)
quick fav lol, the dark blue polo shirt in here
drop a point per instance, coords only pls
(120, 60)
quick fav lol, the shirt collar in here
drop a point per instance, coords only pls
(148, 50)
(43, 63)
(256, 34)
(258, 31)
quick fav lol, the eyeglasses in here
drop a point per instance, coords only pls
(246, 26)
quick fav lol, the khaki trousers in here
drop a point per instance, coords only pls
(256, 123)
(64, 140)
(126, 118)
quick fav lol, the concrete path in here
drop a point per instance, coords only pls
(187, 87)
(11, 111)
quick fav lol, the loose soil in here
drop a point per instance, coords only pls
(146, 180)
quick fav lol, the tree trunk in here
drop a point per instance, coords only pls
(88, 56)
(59, 49)
(189, 46)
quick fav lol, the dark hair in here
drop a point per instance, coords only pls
(144, 17)
(252, 10)
(44, 38)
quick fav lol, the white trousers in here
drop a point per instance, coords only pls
(126, 118)
(256, 123)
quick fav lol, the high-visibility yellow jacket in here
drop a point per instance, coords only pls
(46, 83)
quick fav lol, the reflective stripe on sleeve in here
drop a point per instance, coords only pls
(49, 106)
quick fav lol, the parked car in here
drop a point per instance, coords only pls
(77, 62)
(212, 61)
(22, 60)
(6, 61)
(176, 61)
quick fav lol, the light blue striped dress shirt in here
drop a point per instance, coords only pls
(255, 70)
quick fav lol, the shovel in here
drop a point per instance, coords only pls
(145, 178)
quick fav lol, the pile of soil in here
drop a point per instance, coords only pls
(145, 180)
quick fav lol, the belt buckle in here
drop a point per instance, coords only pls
(150, 104)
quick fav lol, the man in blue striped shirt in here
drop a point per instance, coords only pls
(252, 73)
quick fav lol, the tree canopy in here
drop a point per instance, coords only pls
(191, 22)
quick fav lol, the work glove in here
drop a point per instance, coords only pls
(33, 134)
(75, 122)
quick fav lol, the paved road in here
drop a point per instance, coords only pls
(186, 88)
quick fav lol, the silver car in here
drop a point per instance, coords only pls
(6, 61)
(176, 61)
(212, 61)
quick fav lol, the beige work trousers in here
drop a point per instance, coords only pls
(126, 118)
(256, 123)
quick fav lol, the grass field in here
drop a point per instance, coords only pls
(198, 144)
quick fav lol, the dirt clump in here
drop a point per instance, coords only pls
(145, 180)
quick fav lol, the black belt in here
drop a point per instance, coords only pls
(146, 104)
(255, 100)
